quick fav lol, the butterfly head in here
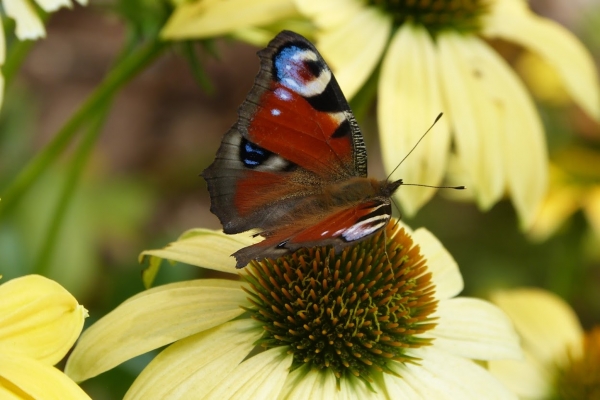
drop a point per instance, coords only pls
(388, 188)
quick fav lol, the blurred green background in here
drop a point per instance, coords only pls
(141, 188)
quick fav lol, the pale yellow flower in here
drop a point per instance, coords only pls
(329, 324)
(544, 81)
(39, 322)
(574, 185)
(434, 59)
(561, 360)
(29, 26)
(240, 18)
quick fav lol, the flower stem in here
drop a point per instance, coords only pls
(117, 77)
(82, 153)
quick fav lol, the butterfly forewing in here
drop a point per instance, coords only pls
(294, 134)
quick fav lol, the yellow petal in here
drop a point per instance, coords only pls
(560, 204)
(546, 323)
(511, 146)
(8, 393)
(542, 79)
(445, 273)
(204, 248)
(35, 379)
(259, 377)
(352, 388)
(38, 319)
(152, 319)
(475, 115)
(308, 383)
(329, 14)
(513, 21)
(53, 5)
(474, 328)
(441, 376)
(199, 19)
(29, 25)
(353, 49)
(527, 377)
(409, 101)
(193, 366)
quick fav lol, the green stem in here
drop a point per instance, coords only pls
(42, 264)
(117, 77)
(15, 58)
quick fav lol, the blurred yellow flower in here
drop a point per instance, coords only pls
(379, 320)
(241, 18)
(29, 26)
(544, 81)
(437, 61)
(39, 322)
(574, 185)
(561, 360)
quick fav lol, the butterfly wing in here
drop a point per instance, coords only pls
(340, 229)
(295, 134)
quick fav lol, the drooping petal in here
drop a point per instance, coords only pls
(527, 378)
(204, 248)
(548, 326)
(306, 383)
(178, 310)
(514, 21)
(38, 319)
(199, 19)
(399, 389)
(193, 366)
(476, 329)
(53, 5)
(29, 24)
(330, 14)
(259, 377)
(354, 49)
(20, 374)
(560, 204)
(512, 146)
(409, 101)
(476, 115)
(442, 376)
(445, 273)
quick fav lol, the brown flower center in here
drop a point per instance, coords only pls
(436, 15)
(580, 380)
(352, 312)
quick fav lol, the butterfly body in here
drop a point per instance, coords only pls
(294, 164)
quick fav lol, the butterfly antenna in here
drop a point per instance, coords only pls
(435, 187)
(416, 144)
(397, 208)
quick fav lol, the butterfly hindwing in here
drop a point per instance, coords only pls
(338, 229)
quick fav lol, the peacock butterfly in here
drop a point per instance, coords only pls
(294, 165)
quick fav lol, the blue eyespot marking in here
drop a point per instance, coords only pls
(252, 155)
(283, 63)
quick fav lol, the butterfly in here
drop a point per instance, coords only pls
(294, 165)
